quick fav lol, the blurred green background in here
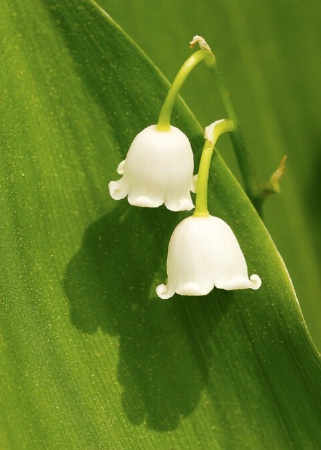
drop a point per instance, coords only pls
(270, 55)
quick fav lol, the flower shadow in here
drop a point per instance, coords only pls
(110, 285)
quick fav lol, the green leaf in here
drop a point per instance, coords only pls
(91, 358)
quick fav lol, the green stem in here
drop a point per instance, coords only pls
(167, 108)
(219, 127)
(243, 158)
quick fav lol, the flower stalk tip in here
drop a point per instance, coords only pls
(211, 61)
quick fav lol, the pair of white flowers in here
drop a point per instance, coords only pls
(203, 252)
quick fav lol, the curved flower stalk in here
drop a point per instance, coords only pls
(158, 169)
(203, 251)
(159, 165)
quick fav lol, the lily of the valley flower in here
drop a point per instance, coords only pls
(158, 169)
(204, 253)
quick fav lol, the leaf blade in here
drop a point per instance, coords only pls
(77, 308)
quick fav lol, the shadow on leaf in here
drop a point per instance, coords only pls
(110, 283)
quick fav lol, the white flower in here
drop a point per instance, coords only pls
(158, 169)
(204, 253)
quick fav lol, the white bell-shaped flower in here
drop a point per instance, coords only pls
(158, 169)
(204, 253)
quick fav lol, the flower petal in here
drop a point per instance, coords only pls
(120, 168)
(203, 252)
(144, 200)
(240, 283)
(118, 189)
(163, 292)
(158, 169)
(182, 204)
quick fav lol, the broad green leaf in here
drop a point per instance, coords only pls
(90, 357)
